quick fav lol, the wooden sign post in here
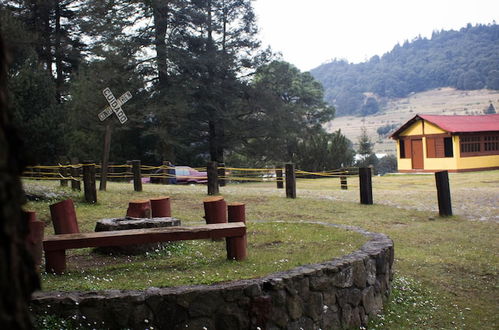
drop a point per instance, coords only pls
(114, 106)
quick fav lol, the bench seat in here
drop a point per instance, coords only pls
(55, 246)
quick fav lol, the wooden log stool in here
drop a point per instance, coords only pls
(215, 210)
(160, 207)
(64, 220)
(34, 240)
(236, 248)
(139, 208)
(63, 216)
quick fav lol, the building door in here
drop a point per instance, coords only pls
(417, 154)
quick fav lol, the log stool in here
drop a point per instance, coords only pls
(160, 207)
(34, 240)
(236, 212)
(63, 216)
(139, 208)
(215, 210)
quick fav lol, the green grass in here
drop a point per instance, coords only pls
(450, 262)
(272, 247)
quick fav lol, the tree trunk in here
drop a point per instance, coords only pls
(42, 11)
(212, 144)
(18, 277)
(59, 78)
(160, 15)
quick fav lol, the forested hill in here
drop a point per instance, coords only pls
(467, 59)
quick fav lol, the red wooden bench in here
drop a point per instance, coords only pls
(55, 246)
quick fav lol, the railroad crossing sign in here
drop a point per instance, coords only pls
(115, 105)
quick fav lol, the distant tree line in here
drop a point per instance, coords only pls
(203, 88)
(466, 59)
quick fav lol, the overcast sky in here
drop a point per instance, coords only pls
(311, 32)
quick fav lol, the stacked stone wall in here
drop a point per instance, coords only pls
(342, 293)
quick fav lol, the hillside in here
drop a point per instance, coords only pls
(467, 59)
(444, 101)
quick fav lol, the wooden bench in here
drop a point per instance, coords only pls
(55, 246)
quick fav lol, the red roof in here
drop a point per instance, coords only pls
(457, 124)
(461, 124)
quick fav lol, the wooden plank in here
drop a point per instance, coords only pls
(408, 148)
(430, 147)
(417, 154)
(140, 236)
(439, 148)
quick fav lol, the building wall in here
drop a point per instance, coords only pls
(464, 163)
(415, 129)
(447, 163)
(429, 128)
(404, 164)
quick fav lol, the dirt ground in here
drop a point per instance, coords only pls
(474, 196)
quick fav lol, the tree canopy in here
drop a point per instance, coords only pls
(203, 88)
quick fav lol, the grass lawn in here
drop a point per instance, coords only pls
(272, 247)
(446, 268)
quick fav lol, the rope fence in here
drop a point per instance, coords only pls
(214, 176)
(123, 172)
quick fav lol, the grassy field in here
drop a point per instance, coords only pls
(446, 268)
(442, 101)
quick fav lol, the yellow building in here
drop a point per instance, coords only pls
(429, 143)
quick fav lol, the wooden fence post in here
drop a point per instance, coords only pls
(89, 182)
(212, 172)
(366, 189)
(137, 175)
(165, 172)
(75, 173)
(279, 179)
(443, 193)
(63, 171)
(290, 181)
(343, 183)
(221, 174)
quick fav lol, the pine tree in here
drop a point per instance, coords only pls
(53, 35)
(365, 145)
(224, 47)
(490, 109)
(365, 151)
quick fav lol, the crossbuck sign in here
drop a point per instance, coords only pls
(115, 105)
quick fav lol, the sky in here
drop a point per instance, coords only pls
(309, 33)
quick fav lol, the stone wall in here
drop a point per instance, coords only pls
(341, 293)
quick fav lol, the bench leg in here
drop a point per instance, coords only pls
(236, 247)
(55, 261)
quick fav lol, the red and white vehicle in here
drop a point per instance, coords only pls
(186, 174)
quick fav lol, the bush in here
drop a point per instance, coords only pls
(387, 164)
